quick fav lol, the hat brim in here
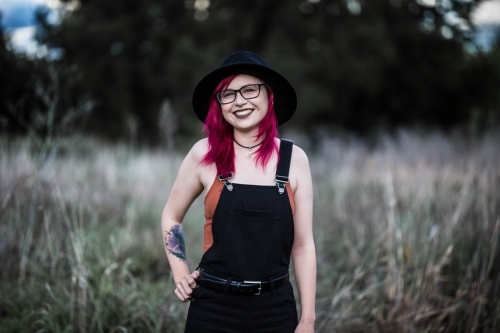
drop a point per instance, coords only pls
(285, 98)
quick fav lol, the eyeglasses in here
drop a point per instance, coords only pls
(247, 92)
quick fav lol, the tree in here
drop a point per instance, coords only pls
(356, 64)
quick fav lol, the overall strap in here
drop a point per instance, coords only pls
(283, 168)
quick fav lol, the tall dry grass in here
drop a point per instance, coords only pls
(407, 234)
(406, 228)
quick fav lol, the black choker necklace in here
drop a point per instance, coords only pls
(249, 154)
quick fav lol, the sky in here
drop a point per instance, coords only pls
(18, 20)
(20, 13)
(489, 13)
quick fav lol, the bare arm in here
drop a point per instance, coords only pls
(303, 251)
(186, 188)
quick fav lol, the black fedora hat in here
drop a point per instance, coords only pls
(245, 62)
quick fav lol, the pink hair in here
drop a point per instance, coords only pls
(220, 134)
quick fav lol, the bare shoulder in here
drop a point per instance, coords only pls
(199, 150)
(205, 173)
(299, 156)
(300, 173)
(191, 163)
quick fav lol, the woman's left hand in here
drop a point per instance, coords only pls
(305, 328)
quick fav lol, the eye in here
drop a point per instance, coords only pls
(227, 93)
(250, 89)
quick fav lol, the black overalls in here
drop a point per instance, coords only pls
(253, 234)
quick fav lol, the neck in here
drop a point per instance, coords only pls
(247, 139)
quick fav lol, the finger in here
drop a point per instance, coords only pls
(184, 288)
(179, 295)
(191, 282)
(194, 275)
(182, 294)
(184, 284)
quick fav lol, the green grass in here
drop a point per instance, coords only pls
(406, 230)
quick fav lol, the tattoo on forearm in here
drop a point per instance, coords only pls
(174, 240)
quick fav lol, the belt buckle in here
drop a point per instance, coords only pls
(256, 282)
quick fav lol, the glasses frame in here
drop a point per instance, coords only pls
(239, 91)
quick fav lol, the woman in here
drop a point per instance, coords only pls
(258, 207)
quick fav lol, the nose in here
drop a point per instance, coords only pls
(239, 99)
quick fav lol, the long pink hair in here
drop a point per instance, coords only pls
(220, 134)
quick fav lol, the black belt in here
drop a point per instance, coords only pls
(240, 287)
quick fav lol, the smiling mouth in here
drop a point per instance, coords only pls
(242, 113)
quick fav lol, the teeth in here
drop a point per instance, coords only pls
(242, 113)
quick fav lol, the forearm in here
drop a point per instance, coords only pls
(304, 263)
(174, 244)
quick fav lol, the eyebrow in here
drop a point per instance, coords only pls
(248, 84)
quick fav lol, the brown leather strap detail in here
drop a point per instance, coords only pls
(211, 201)
(290, 197)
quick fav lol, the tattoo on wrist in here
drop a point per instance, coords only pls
(174, 240)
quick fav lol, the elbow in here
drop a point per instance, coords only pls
(306, 247)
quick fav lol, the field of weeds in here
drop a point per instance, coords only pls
(406, 228)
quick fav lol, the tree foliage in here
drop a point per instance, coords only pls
(357, 64)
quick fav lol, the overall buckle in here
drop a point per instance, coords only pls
(281, 182)
(225, 179)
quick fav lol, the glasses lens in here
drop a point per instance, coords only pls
(226, 96)
(250, 91)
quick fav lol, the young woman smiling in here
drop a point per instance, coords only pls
(258, 207)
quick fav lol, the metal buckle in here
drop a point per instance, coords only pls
(281, 182)
(228, 175)
(281, 179)
(225, 180)
(256, 282)
(281, 189)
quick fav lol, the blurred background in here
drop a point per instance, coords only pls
(399, 112)
(127, 69)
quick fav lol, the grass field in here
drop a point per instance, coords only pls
(406, 228)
